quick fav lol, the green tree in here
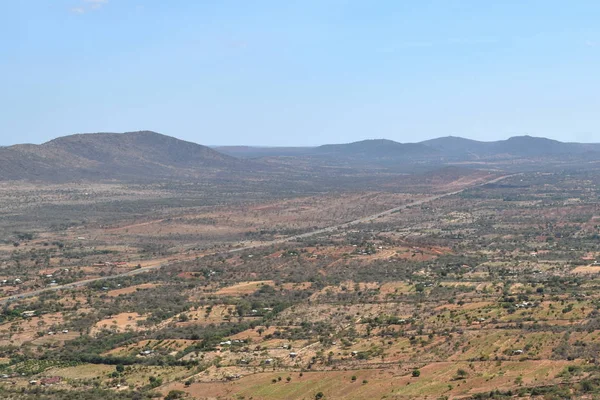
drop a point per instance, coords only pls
(461, 373)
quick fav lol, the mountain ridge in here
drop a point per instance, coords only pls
(446, 146)
(148, 155)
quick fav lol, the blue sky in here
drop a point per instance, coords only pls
(300, 72)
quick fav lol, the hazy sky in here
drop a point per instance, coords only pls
(304, 72)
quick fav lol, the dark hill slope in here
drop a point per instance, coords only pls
(140, 147)
(528, 146)
(518, 146)
(258, 151)
(454, 146)
(377, 149)
(135, 155)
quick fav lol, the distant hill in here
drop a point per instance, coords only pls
(373, 149)
(377, 149)
(147, 156)
(133, 155)
(257, 151)
(536, 146)
(441, 150)
(457, 147)
(518, 146)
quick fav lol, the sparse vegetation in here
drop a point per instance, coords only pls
(470, 278)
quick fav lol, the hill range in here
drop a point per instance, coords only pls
(148, 155)
(449, 147)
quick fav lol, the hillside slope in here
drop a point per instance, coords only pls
(133, 155)
(517, 146)
(146, 156)
(377, 149)
(443, 149)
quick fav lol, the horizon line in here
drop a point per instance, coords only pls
(296, 146)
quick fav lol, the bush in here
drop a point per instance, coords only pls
(416, 373)
(461, 374)
(175, 394)
(155, 382)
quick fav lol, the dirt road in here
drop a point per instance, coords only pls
(257, 245)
